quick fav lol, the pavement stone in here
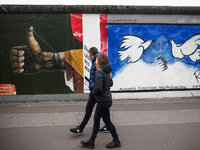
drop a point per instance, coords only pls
(142, 124)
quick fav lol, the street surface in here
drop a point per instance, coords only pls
(148, 124)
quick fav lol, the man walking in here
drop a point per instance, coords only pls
(91, 102)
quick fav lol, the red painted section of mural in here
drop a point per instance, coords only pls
(77, 27)
(7, 89)
(74, 58)
(104, 33)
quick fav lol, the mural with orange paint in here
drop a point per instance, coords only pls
(7, 89)
(53, 43)
(57, 44)
(32, 58)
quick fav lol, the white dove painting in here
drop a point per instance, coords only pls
(188, 48)
(134, 47)
(135, 51)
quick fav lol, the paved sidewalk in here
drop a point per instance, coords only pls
(160, 124)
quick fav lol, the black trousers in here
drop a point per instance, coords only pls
(103, 111)
(88, 111)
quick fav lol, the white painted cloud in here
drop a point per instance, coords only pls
(140, 74)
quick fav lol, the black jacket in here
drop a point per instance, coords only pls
(102, 84)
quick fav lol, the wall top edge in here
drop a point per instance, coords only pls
(107, 9)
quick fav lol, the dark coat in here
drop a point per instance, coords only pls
(102, 84)
(92, 72)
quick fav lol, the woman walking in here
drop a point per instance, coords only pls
(102, 95)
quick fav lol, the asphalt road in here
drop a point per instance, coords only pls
(149, 124)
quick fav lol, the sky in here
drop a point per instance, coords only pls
(104, 2)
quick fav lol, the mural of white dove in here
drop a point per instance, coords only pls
(134, 47)
(187, 48)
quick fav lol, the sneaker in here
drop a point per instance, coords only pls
(76, 130)
(103, 129)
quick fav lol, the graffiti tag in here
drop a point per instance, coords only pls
(197, 75)
(162, 63)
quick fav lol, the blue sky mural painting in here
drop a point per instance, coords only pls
(163, 46)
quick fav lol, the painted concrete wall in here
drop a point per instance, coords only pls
(147, 52)
(151, 52)
(154, 52)
(24, 68)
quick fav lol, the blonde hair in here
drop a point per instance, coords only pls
(102, 59)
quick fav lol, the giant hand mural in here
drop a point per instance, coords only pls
(31, 59)
(31, 64)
